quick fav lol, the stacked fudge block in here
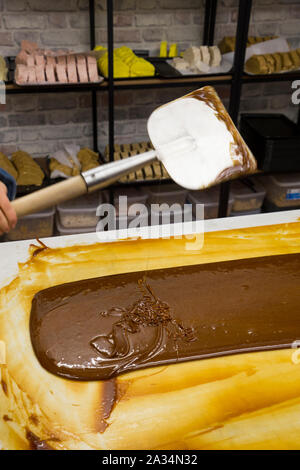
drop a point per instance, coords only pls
(35, 66)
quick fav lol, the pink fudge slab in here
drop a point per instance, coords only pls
(48, 52)
(51, 60)
(92, 69)
(80, 59)
(82, 69)
(22, 58)
(31, 75)
(40, 74)
(40, 60)
(71, 59)
(72, 72)
(29, 46)
(61, 59)
(50, 75)
(61, 73)
(21, 74)
(30, 61)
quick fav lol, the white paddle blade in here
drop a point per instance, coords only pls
(197, 141)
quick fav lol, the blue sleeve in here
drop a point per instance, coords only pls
(10, 182)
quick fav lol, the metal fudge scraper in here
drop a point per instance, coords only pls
(195, 145)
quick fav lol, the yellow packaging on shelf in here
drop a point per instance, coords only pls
(124, 52)
(100, 49)
(142, 68)
(3, 69)
(126, 64)
(139, 67)
(163, 49)
(121, 70)
(173, 52)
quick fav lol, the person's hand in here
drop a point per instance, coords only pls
(8, 216)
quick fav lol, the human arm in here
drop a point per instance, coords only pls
(8, 217)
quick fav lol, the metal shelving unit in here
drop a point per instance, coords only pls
(148, 83)
(235, 79)
(236, 85)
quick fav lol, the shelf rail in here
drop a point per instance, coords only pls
(111, 107)
(209, 22)
(236, 86)
(93, 92)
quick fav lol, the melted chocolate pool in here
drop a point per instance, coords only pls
(99, 328)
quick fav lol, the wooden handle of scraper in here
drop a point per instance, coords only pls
(50, 196)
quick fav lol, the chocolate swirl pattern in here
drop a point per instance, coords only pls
(147, 316)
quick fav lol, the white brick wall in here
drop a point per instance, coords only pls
(40, 123)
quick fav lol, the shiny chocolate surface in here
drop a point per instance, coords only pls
(96, 329)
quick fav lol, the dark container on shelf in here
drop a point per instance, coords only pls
(11, 65)
(38, 225)
(274, 140)
(269, 206)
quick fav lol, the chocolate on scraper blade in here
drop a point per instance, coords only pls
(215, 151)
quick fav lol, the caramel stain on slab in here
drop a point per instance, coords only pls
(107, 403)
(34, 419)
(4, 387)
(35, 250)
(36, 443)
(6, 418)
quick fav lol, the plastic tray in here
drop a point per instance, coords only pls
(57, 83)
(39, 225)
(163, 68)
(274, 140)
(165, 194)
(269, 206)
(134, 196)
(237, 214)
(124, 221)
(283, 189)
(175, 215)
(224, 67)
(80, 212)
(210, 198)
(60, 230)
(248, 194)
